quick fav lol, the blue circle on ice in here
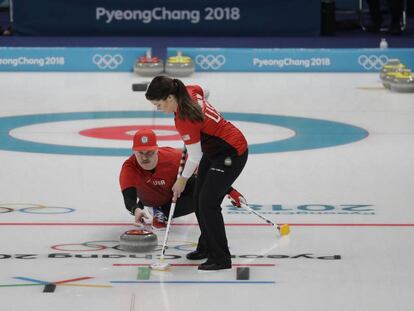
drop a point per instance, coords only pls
(309, 133)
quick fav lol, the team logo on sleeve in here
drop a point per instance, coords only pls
(186, 137)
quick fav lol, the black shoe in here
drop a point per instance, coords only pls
(196, 255)
(212, 266)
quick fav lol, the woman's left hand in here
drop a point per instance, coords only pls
(178, 187)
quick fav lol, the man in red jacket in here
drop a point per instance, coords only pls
(147, 177)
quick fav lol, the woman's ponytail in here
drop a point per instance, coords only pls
(188, 109)
(162, 86)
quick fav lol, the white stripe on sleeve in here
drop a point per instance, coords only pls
(194, 156)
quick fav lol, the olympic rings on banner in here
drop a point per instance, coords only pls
(107, 61)
(372, 61)
(32, 208)
(210, 61)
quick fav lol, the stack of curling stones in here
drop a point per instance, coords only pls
(179, 65)
(148, 65)
(397, 77)
(138, 241)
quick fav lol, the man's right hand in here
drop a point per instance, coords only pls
(141, 217)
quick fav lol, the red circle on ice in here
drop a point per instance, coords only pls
(127, 132)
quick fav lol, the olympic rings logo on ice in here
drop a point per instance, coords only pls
(107, 61)
(30, 208)
(372, 61)
(210, 61)
(91, 246)
(94, 246)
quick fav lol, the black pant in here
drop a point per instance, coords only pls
(396, 8)
(185, 203)
(215, 176)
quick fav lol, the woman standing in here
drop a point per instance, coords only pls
(217, 148)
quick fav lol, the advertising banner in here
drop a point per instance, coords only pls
(293, 60)
(167, 18)
(69, 59)
(206, 59)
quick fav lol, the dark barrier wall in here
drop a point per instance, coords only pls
(167, 18)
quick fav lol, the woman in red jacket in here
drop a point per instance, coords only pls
(217, 148)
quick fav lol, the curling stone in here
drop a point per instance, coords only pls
(390, 76)
(148, 65)
(393, 65)
(179, 66)
(403, 82)
(387, 78)
(138, 241)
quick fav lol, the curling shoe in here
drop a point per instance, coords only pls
(214, 266)
(196, 255)
(159, 220)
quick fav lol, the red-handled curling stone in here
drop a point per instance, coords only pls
(138, 241)
(148, 65)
